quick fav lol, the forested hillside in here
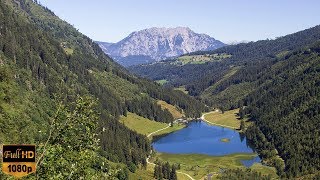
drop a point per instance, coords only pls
(59, 91)
(217, 82)
(275, 82)
(285, 108)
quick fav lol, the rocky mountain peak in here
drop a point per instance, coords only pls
(160, 43)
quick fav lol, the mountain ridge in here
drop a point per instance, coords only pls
(55, 80)
(158, 43)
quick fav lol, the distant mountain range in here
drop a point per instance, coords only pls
(155, 44)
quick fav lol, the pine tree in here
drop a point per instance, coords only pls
(173, 174)
(166, 170)
(241, 113)
(156, 173)
(160, 172)
(242, 125)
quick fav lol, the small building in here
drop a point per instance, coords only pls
(209, 176)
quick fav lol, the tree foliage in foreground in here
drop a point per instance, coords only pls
(42, 56)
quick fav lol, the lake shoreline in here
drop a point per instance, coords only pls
(199, 165)
(231, 118)
(200, 137)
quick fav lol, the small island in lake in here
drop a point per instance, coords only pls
(225, 140)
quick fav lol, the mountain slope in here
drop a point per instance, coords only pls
(245, 62)
(158, 43)
(56, 82)
(275, 83)
(286, 110)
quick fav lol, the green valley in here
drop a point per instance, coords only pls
(273, 82)
(199, 166)
(184, 105)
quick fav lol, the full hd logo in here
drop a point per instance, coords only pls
(18, 160)
(18, 154)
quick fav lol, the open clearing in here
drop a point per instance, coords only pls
(198, 166)
(172, 109)
(200, 59)
(227, 119)
(162, 81)
(181, 88)
(145, 126)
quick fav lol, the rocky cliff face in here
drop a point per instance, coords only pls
(159, 43)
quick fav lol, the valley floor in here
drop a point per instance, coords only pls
(193, 166)
(199, 166)
(228, 119)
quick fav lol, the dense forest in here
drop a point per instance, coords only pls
(56, 83)
(286, 109)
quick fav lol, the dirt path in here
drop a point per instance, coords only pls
(148, 162)
(159, 130)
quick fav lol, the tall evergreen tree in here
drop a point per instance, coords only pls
(173, 173)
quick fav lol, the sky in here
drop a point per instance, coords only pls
(225, 20)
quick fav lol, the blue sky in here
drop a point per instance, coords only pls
(225, 20)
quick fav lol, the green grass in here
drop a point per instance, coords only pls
(140, 124)
(228, 118)
(226, 140)
(182, 177)
(146, 174)
(145, 126)
(162, 81)
(182, 88)
(175, 127)
(143, 173)
(200, 59)
(200, 165)
(68, 51)
(140, 173)
(172, 109)
(265, 170)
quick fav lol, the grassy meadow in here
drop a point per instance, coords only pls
(140, 124)
(172, 109)
(145, 126)
(200, 59)
(162, 81)
(181, 88)
(198, 166)
(228, 118)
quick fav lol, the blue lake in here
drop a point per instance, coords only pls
(201, 138)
